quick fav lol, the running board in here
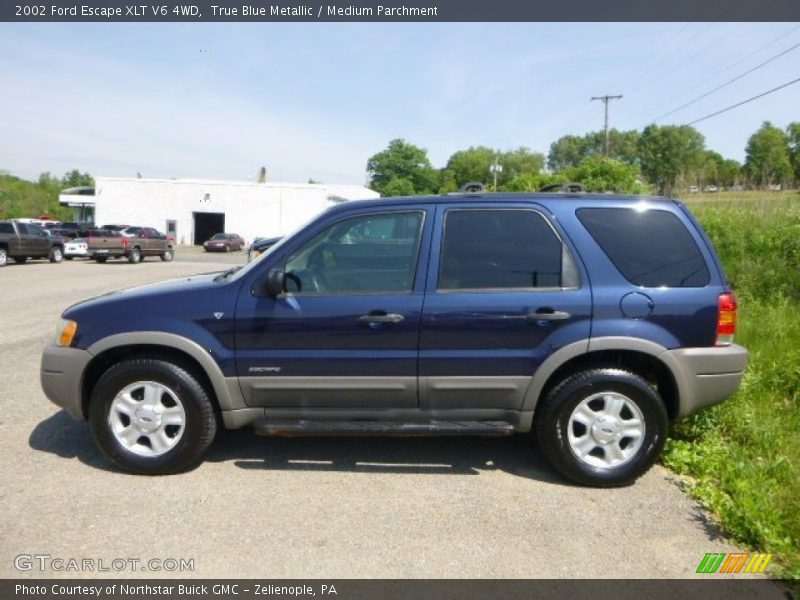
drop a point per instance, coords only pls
(383, 428)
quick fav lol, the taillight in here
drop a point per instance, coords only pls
(124, 242)
(726, 321)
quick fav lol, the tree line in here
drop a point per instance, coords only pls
(664, 159)
(21, 198)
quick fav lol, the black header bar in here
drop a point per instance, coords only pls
(392, 11)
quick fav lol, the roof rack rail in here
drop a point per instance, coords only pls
(563, 188)
(473, 187)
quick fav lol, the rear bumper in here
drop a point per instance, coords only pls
(706, 376)
(61, 376)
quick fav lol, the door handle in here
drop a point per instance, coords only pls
(390, 318)
(548, 314)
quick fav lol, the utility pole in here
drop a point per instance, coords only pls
(496, 168)
(606, 99)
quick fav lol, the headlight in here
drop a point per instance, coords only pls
(65, 332)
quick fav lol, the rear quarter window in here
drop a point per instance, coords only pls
(650, 248)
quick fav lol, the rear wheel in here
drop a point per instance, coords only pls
(56, 255)
(602, 427)
(135, 256)
(151, 417)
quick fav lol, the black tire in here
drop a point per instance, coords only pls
(101, 259)
(20, 260)
(3, 257)
(56, 254)
(135, 255)
(552, 427)
(228, 248)
(168, 255)
(199, 429)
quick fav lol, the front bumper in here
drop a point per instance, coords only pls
(62, 376)
(706, 376)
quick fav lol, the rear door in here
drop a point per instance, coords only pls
(503, 293)
(27, 247)
(346, 330)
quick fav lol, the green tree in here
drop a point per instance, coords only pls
(567, 151)
(473, 164)
(532, 182)
(668, 153)
(75, 178)
(767, 156)
(571, 150)
(402, 168)
(600, 174)
(519, 162)
(793, 133)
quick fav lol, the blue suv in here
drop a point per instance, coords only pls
(590, 320)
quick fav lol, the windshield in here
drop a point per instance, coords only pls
(220, 236)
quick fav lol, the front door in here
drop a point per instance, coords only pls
(346, 330)
(503, 294)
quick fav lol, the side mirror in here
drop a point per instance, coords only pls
(273, 286)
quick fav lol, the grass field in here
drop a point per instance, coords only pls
(741, 459)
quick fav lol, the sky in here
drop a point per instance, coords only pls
(316, 100)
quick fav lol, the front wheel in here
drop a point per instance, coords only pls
(3, 257)
(602, 427)
(168, 255)
(151, 417)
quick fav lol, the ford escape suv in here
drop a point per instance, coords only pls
(590, 320)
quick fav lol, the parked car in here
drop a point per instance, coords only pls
(693, 189)
(259, 246)
(223, 242)
(590, 320)
(104, 244)
(113, 227)
(76, 248)
(131, 231)
(76, 225)
(711, 188)
(21, 241)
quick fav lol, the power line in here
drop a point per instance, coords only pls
(727, 83)
(731, 107)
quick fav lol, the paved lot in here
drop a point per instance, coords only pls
(306, 507)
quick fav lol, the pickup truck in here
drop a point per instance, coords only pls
(22, 241)
(104, 244)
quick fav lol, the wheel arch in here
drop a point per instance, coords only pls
(642, 357)
(225, 393)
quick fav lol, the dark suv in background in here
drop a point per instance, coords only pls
(590, 320)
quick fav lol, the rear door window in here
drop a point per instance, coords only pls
(650, 248)
(502, 249)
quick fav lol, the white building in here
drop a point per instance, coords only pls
(194, 210)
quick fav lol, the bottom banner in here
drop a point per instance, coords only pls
(390, 589)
